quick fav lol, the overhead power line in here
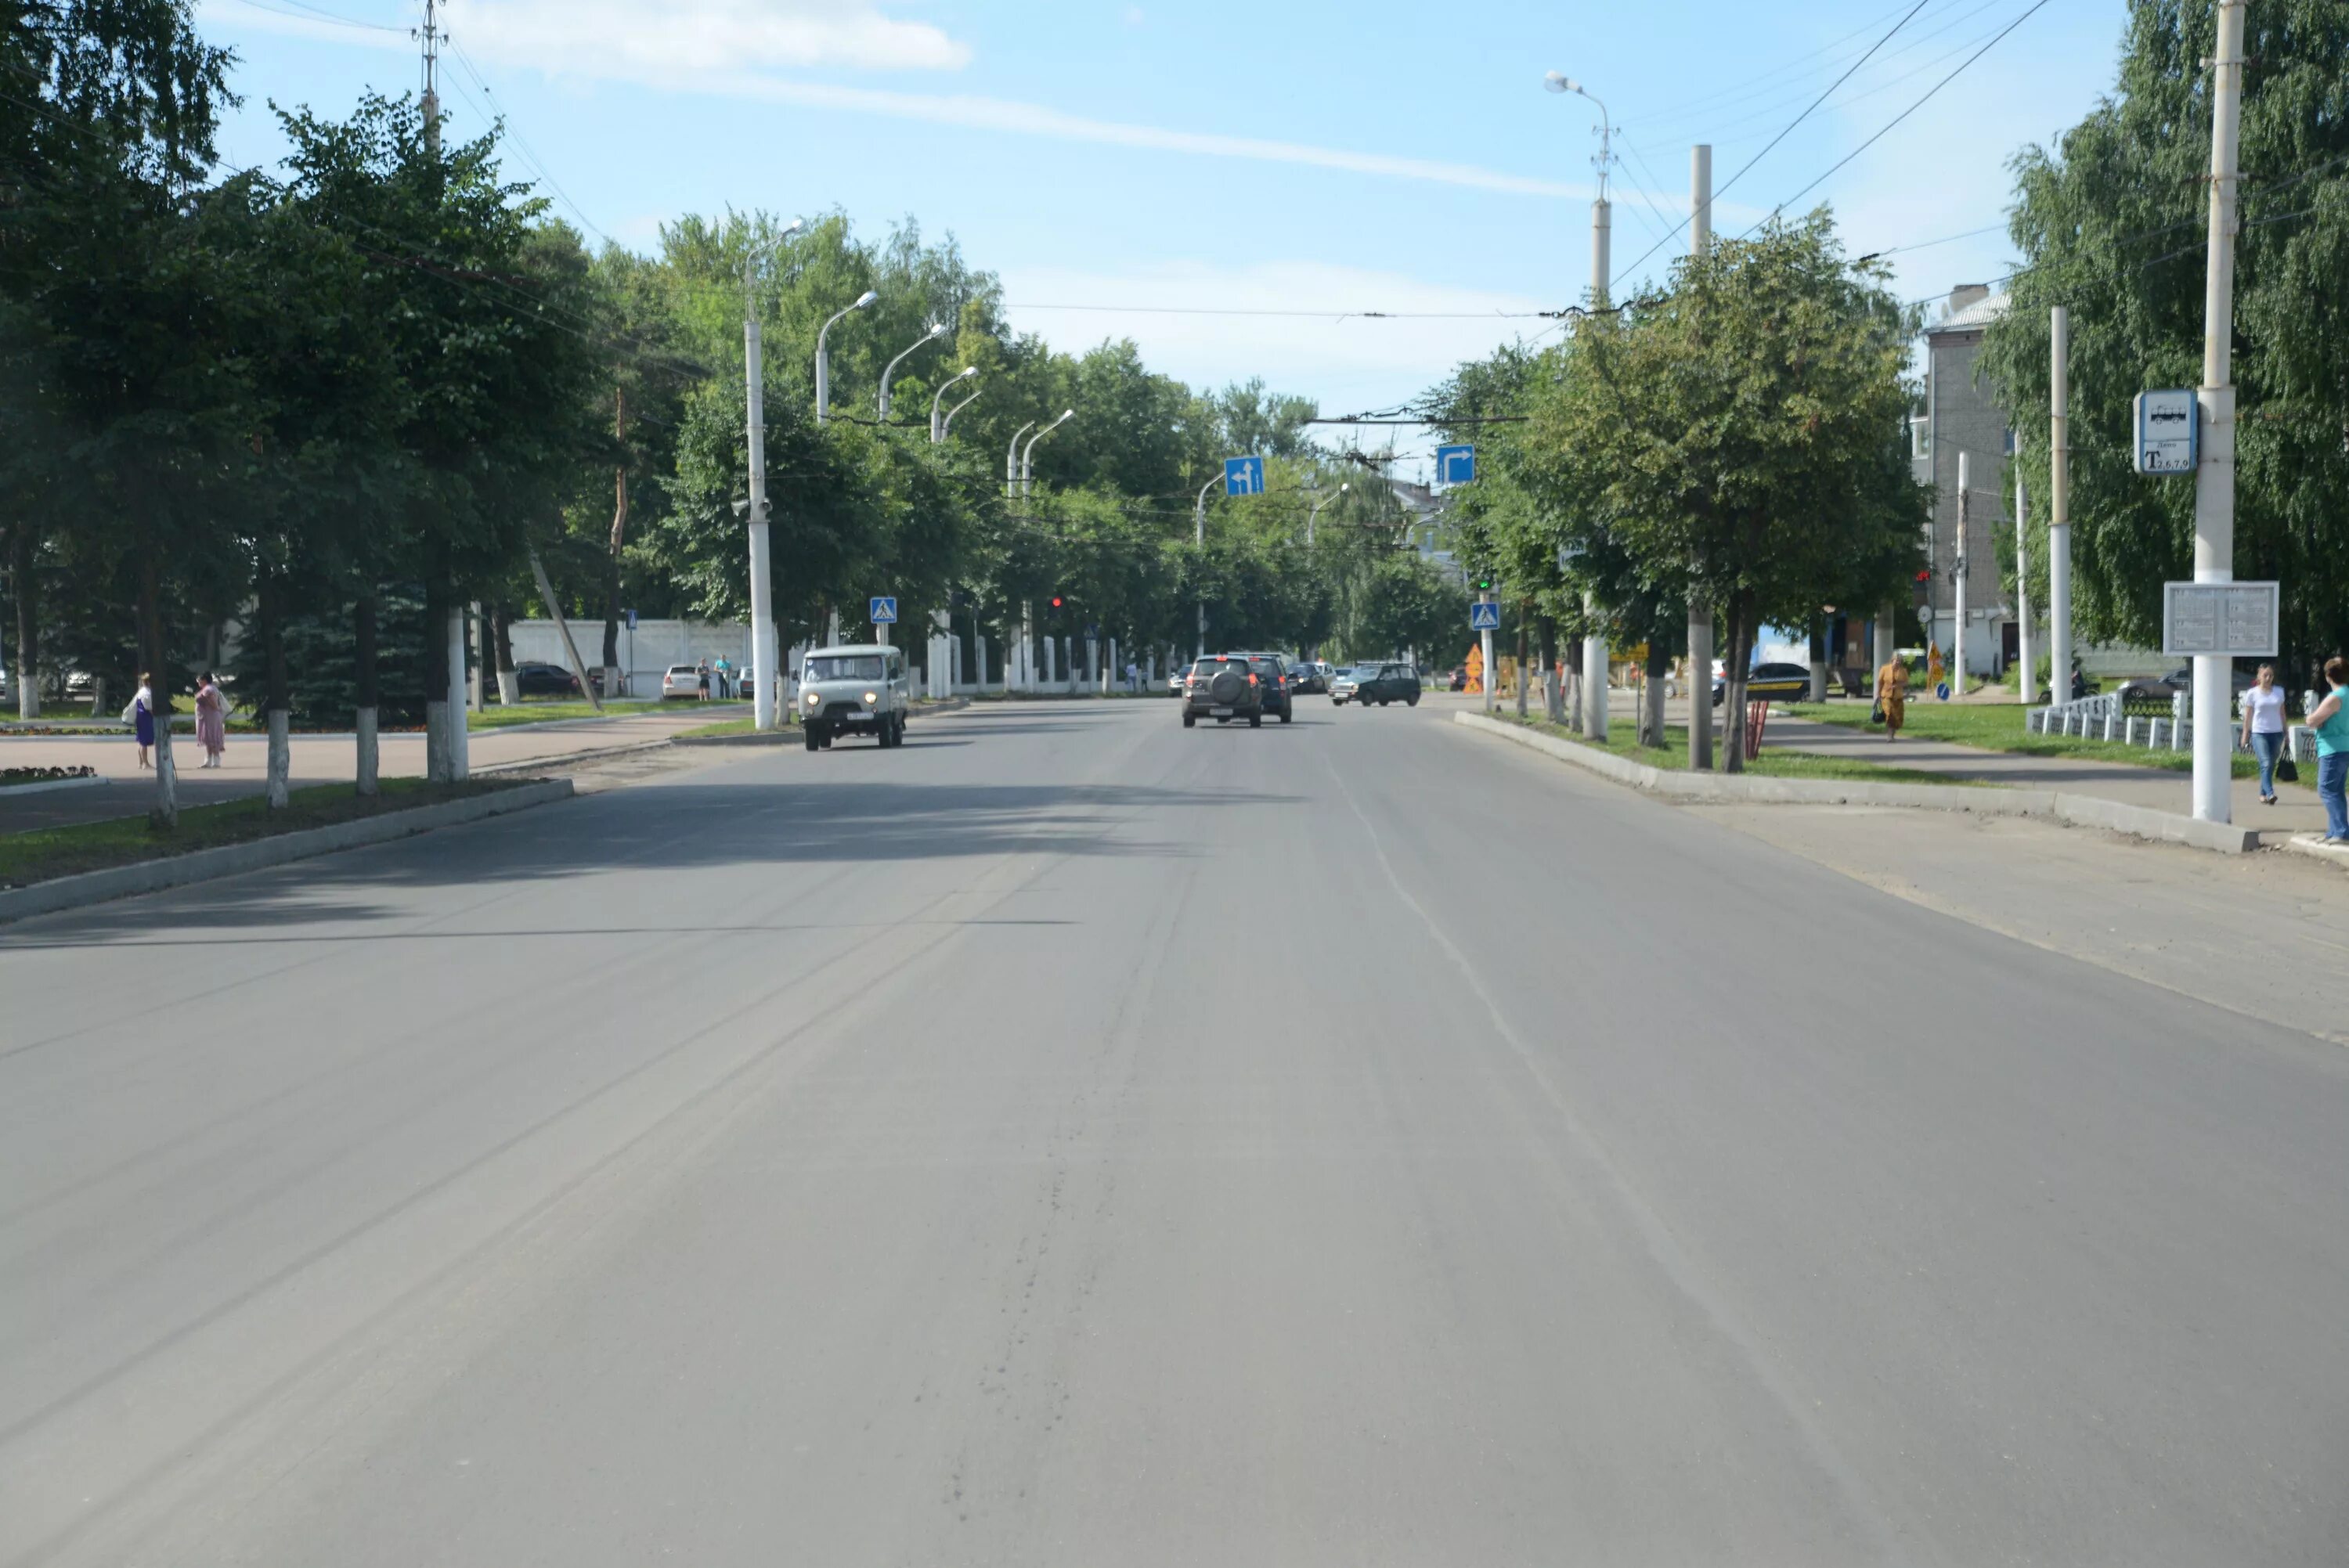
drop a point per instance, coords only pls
(1782, 136)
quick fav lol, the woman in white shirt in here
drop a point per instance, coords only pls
(2263, 728)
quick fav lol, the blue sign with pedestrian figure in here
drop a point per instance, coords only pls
(1455, 465)
(884, 612)
(1484, 615)
(1243, 476)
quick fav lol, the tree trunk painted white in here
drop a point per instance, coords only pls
(436, 740)
(281, 759)
(509, 688)
(167, 776)
(370, 753)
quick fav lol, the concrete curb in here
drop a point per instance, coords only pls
(232, 859)
(2312, 845)
(10, 791)
(565, 758)
(2078, 810)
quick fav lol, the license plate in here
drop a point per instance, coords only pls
(1219, 713)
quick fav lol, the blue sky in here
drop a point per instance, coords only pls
(1299, 156)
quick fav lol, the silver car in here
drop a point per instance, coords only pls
(858, 688)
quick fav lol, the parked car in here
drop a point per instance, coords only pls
(1385, 683)
(1309, 679)
(856, 689)
(534, 678)
(681, 680)
(1771, 683)
(2156, 691)
(1458, 679)
(1222, 687)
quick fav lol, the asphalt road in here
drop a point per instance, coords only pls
(1071, 1140)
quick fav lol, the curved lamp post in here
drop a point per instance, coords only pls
(824, 365)
(1028, 452)
(937, 330)
(1199, 538)
(1319, 502)
(937, 430)
(947, 421)
(1011, 460)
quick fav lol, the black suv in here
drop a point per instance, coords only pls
(1223, 687)
(1272, 674)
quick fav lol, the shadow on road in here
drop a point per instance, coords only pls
(678, 826)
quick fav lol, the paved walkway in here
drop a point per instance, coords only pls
(2297, 810)
(317, 760)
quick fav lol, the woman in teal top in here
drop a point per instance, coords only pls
(2330, 720)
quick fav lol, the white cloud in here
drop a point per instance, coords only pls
(667, 42)
(1355, 363)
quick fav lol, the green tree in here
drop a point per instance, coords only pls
(2110, 221)
(1741, 435)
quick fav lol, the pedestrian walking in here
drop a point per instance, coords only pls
(141, 717)
(211, 719)
(2263, 728)
(2330, 720)
(1132, 676)
(1892, 697)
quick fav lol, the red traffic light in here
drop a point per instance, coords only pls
(1056, 600)
(1924, 576)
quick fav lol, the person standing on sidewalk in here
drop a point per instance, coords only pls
(2330, 720)
(2264, 728)
(211, 719)
(1892, 696)
(141, 717)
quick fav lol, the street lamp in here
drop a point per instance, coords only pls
(762, 610)
(939, 423)
(937, 330)
(1199, 538)
(1594, 649)
(1319, 502)
(938, 430)
(1011, 460)
(822, 365)
(1028, 452)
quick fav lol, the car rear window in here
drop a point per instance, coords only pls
(1209, 666)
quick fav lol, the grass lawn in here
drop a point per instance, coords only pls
(545, 710)
(44, 852)
(746, 724)
(1995, 726)
(1776, 761)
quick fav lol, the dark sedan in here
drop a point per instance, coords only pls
(532, 679)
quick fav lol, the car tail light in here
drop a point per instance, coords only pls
(1251, 680)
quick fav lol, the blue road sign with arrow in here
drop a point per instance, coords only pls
(1455, 465)
(884, 612)
(1243, 476)
(1484, 615)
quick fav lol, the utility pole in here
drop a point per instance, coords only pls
(2026, 687)
(1199, 538)
(1958, 575)
(2059, 503)
(762, 605)
(1700, 616)
(2214, 476)
(1489, 682)
(446, 763)
(1594, 646)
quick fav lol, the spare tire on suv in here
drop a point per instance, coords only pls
(1229, 688)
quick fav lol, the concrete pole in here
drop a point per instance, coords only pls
(762, 606)
(2059, 503)
(458, 763)
(1487, 682)
(1958, 576)
(1700, 616)
(2025, 685)
(2214, 476)
(477, 635)
(1199, 538)
(1594, 648)
(1887, 642)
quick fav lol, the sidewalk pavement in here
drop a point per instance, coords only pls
(2297, 808)
(2297, 811)
(316, 759)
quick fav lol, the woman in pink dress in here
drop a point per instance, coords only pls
(211, 719)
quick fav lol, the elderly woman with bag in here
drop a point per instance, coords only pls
(1891, 698)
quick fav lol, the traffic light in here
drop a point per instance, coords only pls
(1483, 583)
(1056, 601)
